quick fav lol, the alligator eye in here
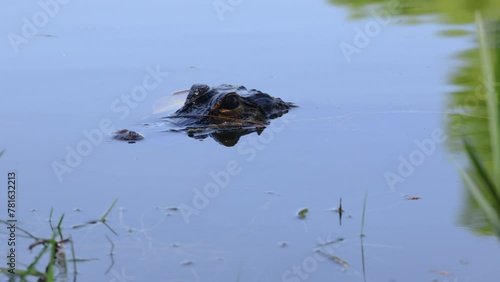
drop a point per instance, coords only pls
(230, 102)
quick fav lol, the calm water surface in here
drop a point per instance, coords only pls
(361, 117)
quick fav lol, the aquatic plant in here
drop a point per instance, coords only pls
(478, 128)
(361, 235)
(53, 246)
(449, 11)
(53, 252)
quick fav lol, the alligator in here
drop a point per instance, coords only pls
(224, 112)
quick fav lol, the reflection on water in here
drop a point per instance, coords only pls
(467, 113)
(228, 138)
(354, 122)
(468, 109)
(475, 121)
(449, 11)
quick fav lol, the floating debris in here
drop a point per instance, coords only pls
(464, 262)
(43, 35)
(441, 272)
(334, 258)
(338, 240)
(187, 262)
(302, 213)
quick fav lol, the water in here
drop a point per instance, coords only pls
(359, 118)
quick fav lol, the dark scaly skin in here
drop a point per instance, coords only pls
(228, 105)
(225, 113)
(128, 135)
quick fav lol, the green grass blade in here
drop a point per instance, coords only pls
(31, 268)
(28, 234)
(20, 273)
(492, 97)
(73, 258)
(363, 216)
(496, 41)
(50, 218)
(488, 186)
(363, 258)
(478, 195)
(59, 229)
(103, 218)
(49, 273)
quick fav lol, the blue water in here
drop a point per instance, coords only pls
(354, 123)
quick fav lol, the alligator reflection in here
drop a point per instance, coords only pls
(228, 138)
